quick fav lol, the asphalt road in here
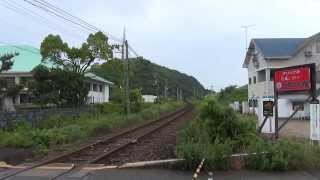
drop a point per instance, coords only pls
(167, 174)
(163, 174)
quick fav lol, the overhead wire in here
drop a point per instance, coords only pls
(64, 13)
(60, 13)
(54, 13)
(25, 12)
(19, 47)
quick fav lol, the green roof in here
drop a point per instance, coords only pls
(97, 78)
(28, 58)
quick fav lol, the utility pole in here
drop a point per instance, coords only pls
(127, 78)
(125, 60)
(178, 94)
(166, 89)
(246, 28)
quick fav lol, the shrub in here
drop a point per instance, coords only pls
(217, 155)
(58, 130)
(136, 100)
(109, 108)
(192, 153)
(283, 155)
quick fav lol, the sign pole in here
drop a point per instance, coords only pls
(291, 80)
(276, 118)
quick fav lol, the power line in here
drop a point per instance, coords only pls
(60, 13)
(82, 23)
(49, 5)
(133, 51)
(57, 9)
(25, 12)
(54, 13)
(18, 47)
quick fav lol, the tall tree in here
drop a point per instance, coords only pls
(78, 60)
(65, 82)
(7, 90)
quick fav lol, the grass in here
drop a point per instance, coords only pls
(219, 132)
(58, 130)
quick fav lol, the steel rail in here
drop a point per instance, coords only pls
(128, 143)
(104, 140)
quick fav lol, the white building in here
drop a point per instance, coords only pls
(149, 98)
(99, 89)
(266, 55)
(28, 58)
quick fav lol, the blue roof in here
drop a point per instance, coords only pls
(278, 47)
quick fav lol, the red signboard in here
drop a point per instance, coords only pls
(293, 79)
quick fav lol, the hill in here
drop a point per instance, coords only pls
(151, 78)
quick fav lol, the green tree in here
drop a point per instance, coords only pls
(112, 70)
(7, 90)
(144, 74)
(78, 60)
(65, 83)
(233, 93)
(136, 100)
(58, 86)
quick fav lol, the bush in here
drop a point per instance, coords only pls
(59, 130)
(109, 108)
(283, 155)
(136, 100)
(217, 155)
(218, 132)
(213, 135)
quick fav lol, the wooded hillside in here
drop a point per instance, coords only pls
(151, 78)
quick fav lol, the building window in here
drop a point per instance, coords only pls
(262, 76)
(89, 86)
(254, 80)
(249, 80)
(318, 45)
(100, 88)
(94, 87)
(25, 81)
(298, 106)
(24, 99)
(10, 81)
(272, 74)
(253, 103)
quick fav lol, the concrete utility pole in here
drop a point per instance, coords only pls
(125, 59)
(246, 27)
(127, 78)
(177, 93)
(166, 89)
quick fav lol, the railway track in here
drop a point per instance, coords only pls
(102, 149)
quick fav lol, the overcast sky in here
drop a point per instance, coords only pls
(202, 38)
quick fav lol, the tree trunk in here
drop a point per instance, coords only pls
(7, 104)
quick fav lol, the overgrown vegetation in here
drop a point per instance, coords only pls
(58, 87)
(62, 130)
(7, 90)
(64, 83)
(218, 132)
(233, 93)
(214, 135)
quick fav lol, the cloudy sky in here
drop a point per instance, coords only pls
(202, 38)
